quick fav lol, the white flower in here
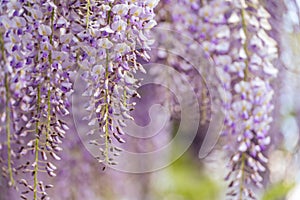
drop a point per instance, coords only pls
(264, 23)
(98, 69)
(255, 59)
(224, 77)
(255, 41)
(105, 43)
(122, 48)
(225, 95)
(151, 3)
(242, 87)
(267, 39)
(119, 26)
(222, 60)
(44, 30)
(254, 22)
(269, 69)
(234, 18)
(241, 106)
(223, 46)
(262, 12)
(207, 46)
(223, 32)
(120, 9)
(150, 24)
(19, 21)
(107, 29)
(136, 10)
(243, 147)
(238, 67)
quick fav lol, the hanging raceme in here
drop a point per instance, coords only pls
(110, 36)
(12, 84)
(41, 86)
(235, 34)
(251, 71)
(183, 16)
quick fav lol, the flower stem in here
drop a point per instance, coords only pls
(246, 75)
(245, 46)
(106, 111)
(125, 97)
(36, 148)
(204, 106)
(52, 26)
(48, 114)
(88, 13)
(49, 92)
(243, 161)
(8, 131)
(2, 48)
(8, 112)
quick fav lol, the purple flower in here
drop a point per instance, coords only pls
(110, 61)
(243, 52)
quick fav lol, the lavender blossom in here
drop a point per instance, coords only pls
(40, 86)
(250, 70)
(235, 35)
(41, 42)
(110, 36)
(11, 83)
(183, 55)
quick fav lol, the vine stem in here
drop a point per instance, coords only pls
(7, 120)
(88, 13)
(49, 91)
(37, 140)
(245, 46)
(8, 131)
(242, 176)
(246, 76)
(52, 26)
(204, 107)
(36, 148)
(49, 114)
(106, 110)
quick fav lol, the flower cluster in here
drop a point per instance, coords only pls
(250, 71)
(11, 84)
(42, 43)
(109, 38)
(37, 89)
(234, 34)
(183, 53)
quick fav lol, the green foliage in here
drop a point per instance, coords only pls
(278, 191)
(189, 182)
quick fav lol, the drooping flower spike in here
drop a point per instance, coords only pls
(234, 34)
(37, 90)
(252, 71)
(110, 36)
